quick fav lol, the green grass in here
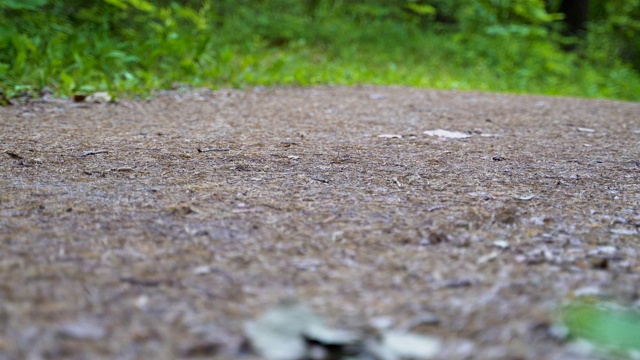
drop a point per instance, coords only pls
(132, 53)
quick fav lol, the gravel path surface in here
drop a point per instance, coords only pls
(154, 229)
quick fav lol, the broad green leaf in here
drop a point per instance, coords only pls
(604, 325)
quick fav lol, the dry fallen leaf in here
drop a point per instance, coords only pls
(202, 270)
(284, 332)
(402, 345)
(291, 331)
(390, 136)
(277, 335)
(447, 134)
(624, 231)
(525, 197)
(488, 257)
(83, 329)
(99, 97)
(502, 244)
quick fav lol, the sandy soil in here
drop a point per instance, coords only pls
(153, 229)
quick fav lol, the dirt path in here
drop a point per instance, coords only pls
(153, 229)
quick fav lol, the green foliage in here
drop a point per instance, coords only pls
(22, 4)
(615, 31)
(136, 46)
(488, 14)
(138, 4)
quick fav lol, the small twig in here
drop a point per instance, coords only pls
(271, 207)
(141, 282)
(213, 149)
(13, 155)
(87, 153)
(245, 211)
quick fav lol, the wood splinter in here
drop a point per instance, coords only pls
(213, 149)
(87, 153)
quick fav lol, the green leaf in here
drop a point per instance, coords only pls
(421, 9)
(118, 3)
(608, 326)
(141, 5)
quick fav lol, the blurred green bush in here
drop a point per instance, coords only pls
(136, 46)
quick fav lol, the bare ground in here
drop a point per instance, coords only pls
(153, 229)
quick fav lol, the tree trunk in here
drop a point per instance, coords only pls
(576, 15)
